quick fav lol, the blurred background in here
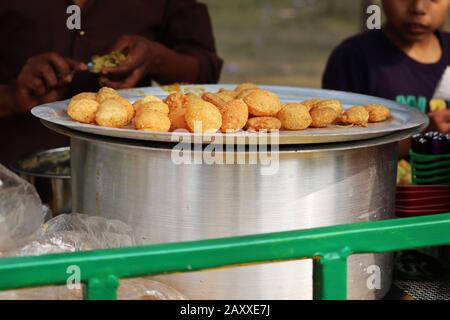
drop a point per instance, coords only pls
(284, 42)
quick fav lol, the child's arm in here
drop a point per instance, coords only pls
(440, 120)
(347, 70)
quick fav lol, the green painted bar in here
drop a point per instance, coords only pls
(380, 236)
(102, 288)
(330, 277)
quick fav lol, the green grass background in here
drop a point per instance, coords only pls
(284, 42)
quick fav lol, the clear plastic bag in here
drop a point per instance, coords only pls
(77, 232)
(21, 211)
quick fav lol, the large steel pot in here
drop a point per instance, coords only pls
(315, 186)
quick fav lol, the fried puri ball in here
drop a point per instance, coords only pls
(357, 115)
(154, 105)
(322, 117)
(192, 97)
(177, 117)
(334, 104)
(234, 116)
(263, 124)
(245, 93)
(214, 99)
(234, 113)
(150, 99)
(294, 116)
(245, 86)
(311, 103)
(176, 100)
(113, 114)
(151, 120)
(378, 113)
(126, 104)
(145, 100)
(202, 116)
(106, 93)
(83, 110)
(262, 103)
(85, 95)
(227, 93)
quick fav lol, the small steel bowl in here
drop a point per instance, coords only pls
(49, 172)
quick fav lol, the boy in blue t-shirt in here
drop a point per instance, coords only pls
(404, 61)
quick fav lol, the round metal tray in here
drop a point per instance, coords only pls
(404, 118)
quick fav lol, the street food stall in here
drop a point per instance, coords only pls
(332, 177)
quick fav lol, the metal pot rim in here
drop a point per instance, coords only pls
(341, 146)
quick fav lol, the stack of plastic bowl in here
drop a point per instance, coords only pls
(430, 169)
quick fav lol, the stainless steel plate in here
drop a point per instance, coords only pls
(404, 118)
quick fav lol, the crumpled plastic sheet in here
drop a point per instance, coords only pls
(129, 289)
(24, 233)
(77, 232)
(21, 211)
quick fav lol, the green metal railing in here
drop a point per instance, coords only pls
(329, 247)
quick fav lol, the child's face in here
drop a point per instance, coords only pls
(414, 20)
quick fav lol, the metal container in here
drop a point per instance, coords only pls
(315, 186)
(49, 172)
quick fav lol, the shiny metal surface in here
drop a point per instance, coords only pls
(404, 118)
(54, 189)
(329, 185)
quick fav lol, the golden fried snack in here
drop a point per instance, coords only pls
(263, 124)
(126, 104)
(85, 95)
(176, 100)
(191, 97)
(245, 93)
(82, 110)
(311, 103)
(202, 116)
(262, 103)
(214, 99)
(155, 106)
(294, 116)
(177, 119)
(234, 113)
(113, 114)
(150, 120)
(150, 99)
(334, 104)
(224, 94)
(106, 93)
(357, 115)
(245, 86)
(322, 117)
(378, 113)
(234, 116)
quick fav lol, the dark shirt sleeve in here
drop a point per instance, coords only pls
(187, 29)
(347, 69)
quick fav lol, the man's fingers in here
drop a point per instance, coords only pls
(34, 84)
(77, 65)
(122, 44)
(47, 73)
(135, 59)
(60, 64)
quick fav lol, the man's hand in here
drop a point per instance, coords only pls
(43, 79)
(142, 58)
(440, 120)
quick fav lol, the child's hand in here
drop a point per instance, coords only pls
(440, 120)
